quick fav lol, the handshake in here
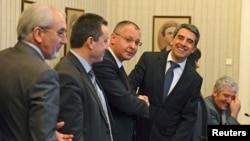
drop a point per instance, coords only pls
(144, 98)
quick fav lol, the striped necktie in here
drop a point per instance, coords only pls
(101, 98)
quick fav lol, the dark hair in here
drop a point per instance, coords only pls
(191, 28)
(194, 57)
(87, 25)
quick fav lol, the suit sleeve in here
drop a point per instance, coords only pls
(214, 116)
(118, 96)
(44, 102)
(232, 121)
(71, 105)
(137, 74)
(188, 113)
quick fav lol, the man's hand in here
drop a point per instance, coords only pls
(235, 107)
(63, 137)
(144, 98)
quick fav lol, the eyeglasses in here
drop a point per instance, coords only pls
(129, 40)
(61, 33)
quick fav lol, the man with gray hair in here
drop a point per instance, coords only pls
(223, 105)
(29, 88)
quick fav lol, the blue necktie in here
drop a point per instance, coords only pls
(169, 78)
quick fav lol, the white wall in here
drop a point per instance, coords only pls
(244, 67)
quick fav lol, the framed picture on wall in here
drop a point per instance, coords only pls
(25, 4)
(163, 26)
(72, 15)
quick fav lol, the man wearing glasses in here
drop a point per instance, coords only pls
(29, 88)
(124, 103)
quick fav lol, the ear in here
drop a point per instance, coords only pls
(112, 38)
(90, 42)
(214, 92)
(195, 47)
(37, 34)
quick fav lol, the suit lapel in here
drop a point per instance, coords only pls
(121, 73)
(23, 47)
(184, 80)
(161, 68)
(87, 80)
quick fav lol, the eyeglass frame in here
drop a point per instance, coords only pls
(61, 33)
(128, 40)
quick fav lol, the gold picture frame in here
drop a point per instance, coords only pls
(72, 15)
(159, 22)
(25, 4)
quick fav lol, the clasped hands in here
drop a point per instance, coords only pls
(144, 98)
(63, 137)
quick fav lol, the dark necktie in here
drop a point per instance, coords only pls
(125, 77)
(101, 98)
(169, 78)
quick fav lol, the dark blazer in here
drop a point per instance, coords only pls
(200, 127)
(171, 119)
(80, 106)
(214, 113)
(29, 95)
(125, 106)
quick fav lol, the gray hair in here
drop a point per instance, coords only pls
(37, 14)
(226, 81)
(191, 28)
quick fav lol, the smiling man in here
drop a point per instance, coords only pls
(223, 105)
(172, 110)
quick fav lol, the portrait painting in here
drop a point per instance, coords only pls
(163, 28)
(72, 15)
(26, 4)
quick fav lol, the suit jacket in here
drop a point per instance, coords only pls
(200, 128)
(214, 114)
(124, 104)
(171, 119)
(80, 106)
(29, 95)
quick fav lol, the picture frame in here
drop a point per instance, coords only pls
(161, 23)
(25, 4)
(72, 14)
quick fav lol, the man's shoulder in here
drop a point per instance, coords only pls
(156, 55)
(209, 103)
(153, 53)
(208, 99)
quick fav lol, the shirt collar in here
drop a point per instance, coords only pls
(118, 62)
(84, 63)
(181, 64)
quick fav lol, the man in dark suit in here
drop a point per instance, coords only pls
(200, 127)
(124, 103)
(83, 104)
(172, 118)
(29, 88)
